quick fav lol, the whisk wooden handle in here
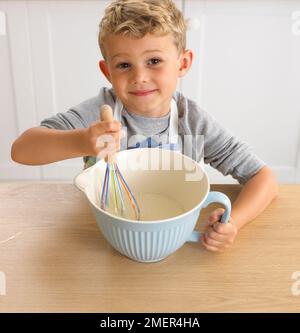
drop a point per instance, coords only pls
(106, 114)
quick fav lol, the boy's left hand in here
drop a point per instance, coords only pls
(218, 236)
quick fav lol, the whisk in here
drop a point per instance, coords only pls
(114, 183)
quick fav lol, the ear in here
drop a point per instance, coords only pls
(186, 60)
(104, 69)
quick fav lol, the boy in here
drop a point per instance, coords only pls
(143, 46)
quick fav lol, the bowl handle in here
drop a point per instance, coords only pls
(213, 197)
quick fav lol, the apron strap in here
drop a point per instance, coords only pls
(173, 126)
(118, 110)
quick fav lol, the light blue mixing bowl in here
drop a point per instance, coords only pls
(160, 171)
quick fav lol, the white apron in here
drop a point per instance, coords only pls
(149, 142)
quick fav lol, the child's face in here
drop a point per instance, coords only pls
(144, 71)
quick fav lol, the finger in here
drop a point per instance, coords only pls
(223, 228)
(216, 236)
(109, 138)
(217, 214)
(209, 247)
(110, 126)
(114, 135)
(107, 144)
(211, 242)
(213, 248)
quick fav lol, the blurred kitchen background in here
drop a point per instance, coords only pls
(246, 73)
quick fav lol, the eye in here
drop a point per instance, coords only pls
(123, 65)
(154, 61)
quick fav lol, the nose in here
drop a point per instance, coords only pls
(139, 75)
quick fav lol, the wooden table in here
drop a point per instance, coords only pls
(58, 260)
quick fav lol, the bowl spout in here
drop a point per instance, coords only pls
(82, 180)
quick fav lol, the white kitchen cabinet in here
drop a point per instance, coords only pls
(53, 54)
(246, 73)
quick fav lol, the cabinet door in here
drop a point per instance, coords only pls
(65, 55)
(17, 107)
(49, 63)
(246, 73)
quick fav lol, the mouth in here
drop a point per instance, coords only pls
(142, 92)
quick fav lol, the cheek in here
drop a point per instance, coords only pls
(118, 81)
(168, 80)
(170, 73)
(164, 75)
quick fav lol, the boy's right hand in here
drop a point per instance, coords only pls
(102, 138)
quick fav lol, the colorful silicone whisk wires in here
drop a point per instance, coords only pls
(114, 183)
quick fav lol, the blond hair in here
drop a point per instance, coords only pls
(136, 18)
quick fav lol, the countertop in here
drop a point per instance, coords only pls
(53, 258)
